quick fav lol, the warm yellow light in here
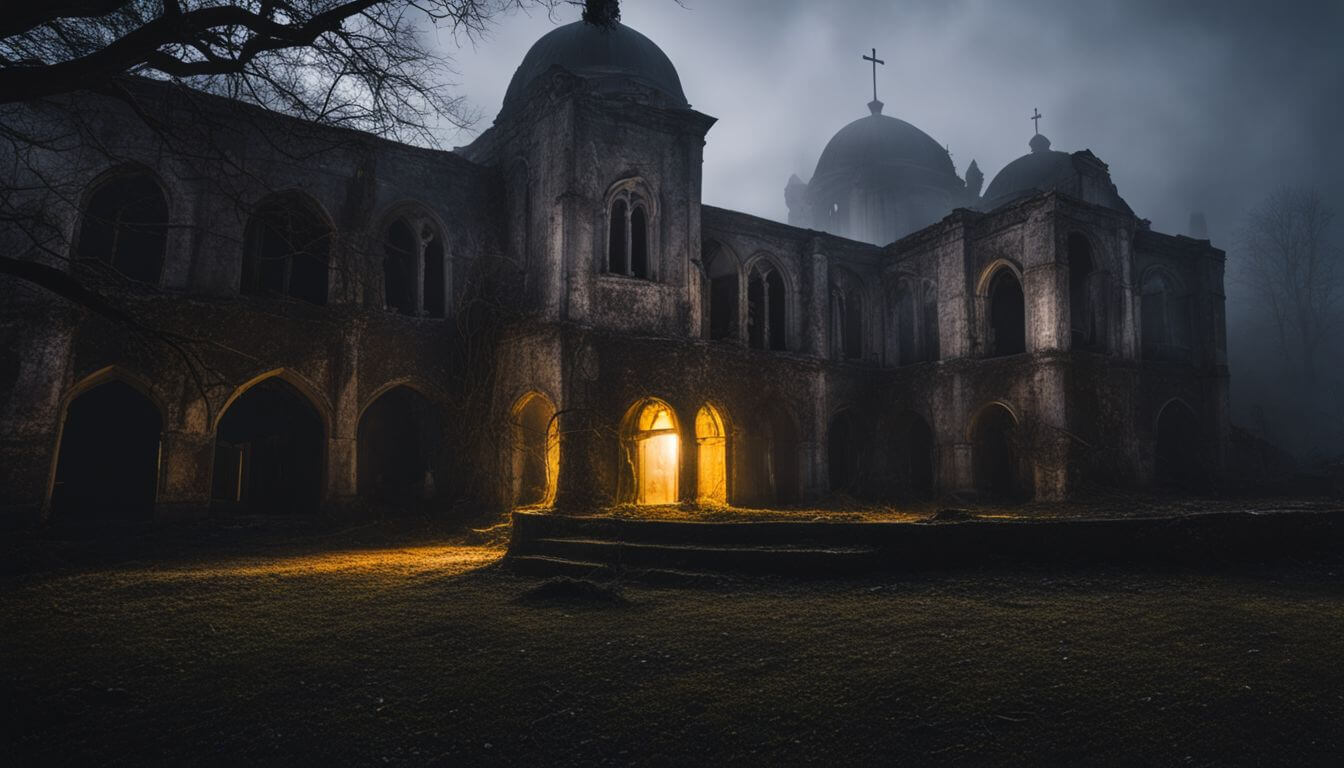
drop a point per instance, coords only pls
(658, 455)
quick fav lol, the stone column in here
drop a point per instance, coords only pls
(342, 453)
(186, 464)
(31, 419)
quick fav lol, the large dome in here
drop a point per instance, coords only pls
(879, 142)
(615, 53)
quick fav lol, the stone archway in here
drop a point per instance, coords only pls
(997, 468)
(399, 440)
(108, 462)
(269, 450)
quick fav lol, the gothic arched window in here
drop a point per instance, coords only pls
(124, 227)
(1166, 318)
(287, 251)
(415, 275)
(846, 316)
(767, 308)
(630, 218)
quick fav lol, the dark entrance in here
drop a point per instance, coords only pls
(843, 453)
(108, 466)
(399, 438)
(268, 451)
(912, 457)
(994, 443)
(1177, 455)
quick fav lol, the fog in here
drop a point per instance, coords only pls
(1196, 106)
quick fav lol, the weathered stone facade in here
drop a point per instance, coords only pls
(1028, 350)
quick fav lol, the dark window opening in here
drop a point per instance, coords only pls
(288, 251)
(778, 321)
(723, 292)
(1007, 315)
(124, 227)
(853, 320)
(399, 265)
(904, 317)
(398, 442)
(108, 465)
(436, 286)
(756, 298)
(639, 243)
(616, 240)
(268, 452)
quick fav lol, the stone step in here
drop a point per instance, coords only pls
(628, 555)
(546, 566)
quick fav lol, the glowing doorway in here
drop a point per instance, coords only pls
(657, 451)
(712, 464)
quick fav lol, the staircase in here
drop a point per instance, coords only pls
(549, 545)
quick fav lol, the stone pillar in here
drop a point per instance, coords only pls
(31, 418)
(959, 473)
(186, 465)
(342, 453)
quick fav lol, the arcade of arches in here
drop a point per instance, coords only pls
(269, 450)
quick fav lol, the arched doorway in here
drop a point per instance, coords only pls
(995, 454)
(842, 453)
(1176, 458)
(1007, 315)
(656, 446)
(536, 451)
(108, 466)
(268, 451)
(712, 457)
(912, 456)
(399, 438)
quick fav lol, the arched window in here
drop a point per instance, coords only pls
(767, 308)
(1087, 296)
(1166, 318)
(415, 277)
(846, 316)
(628, 237)
(721, 268)
(287, 250)
(654, 441)
(536, 451)
(109, 456)
(712, 457)
(124, 227)
(398, 445)
(1007, 315)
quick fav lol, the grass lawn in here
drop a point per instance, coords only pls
(410, 646)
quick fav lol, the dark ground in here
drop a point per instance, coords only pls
(402, 643)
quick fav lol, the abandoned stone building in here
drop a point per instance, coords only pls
(550, 316)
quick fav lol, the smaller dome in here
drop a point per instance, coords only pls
(1041, 169)
(589, 51)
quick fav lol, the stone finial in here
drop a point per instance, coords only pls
(975, 179)
(1039, 143)
(875, 107)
